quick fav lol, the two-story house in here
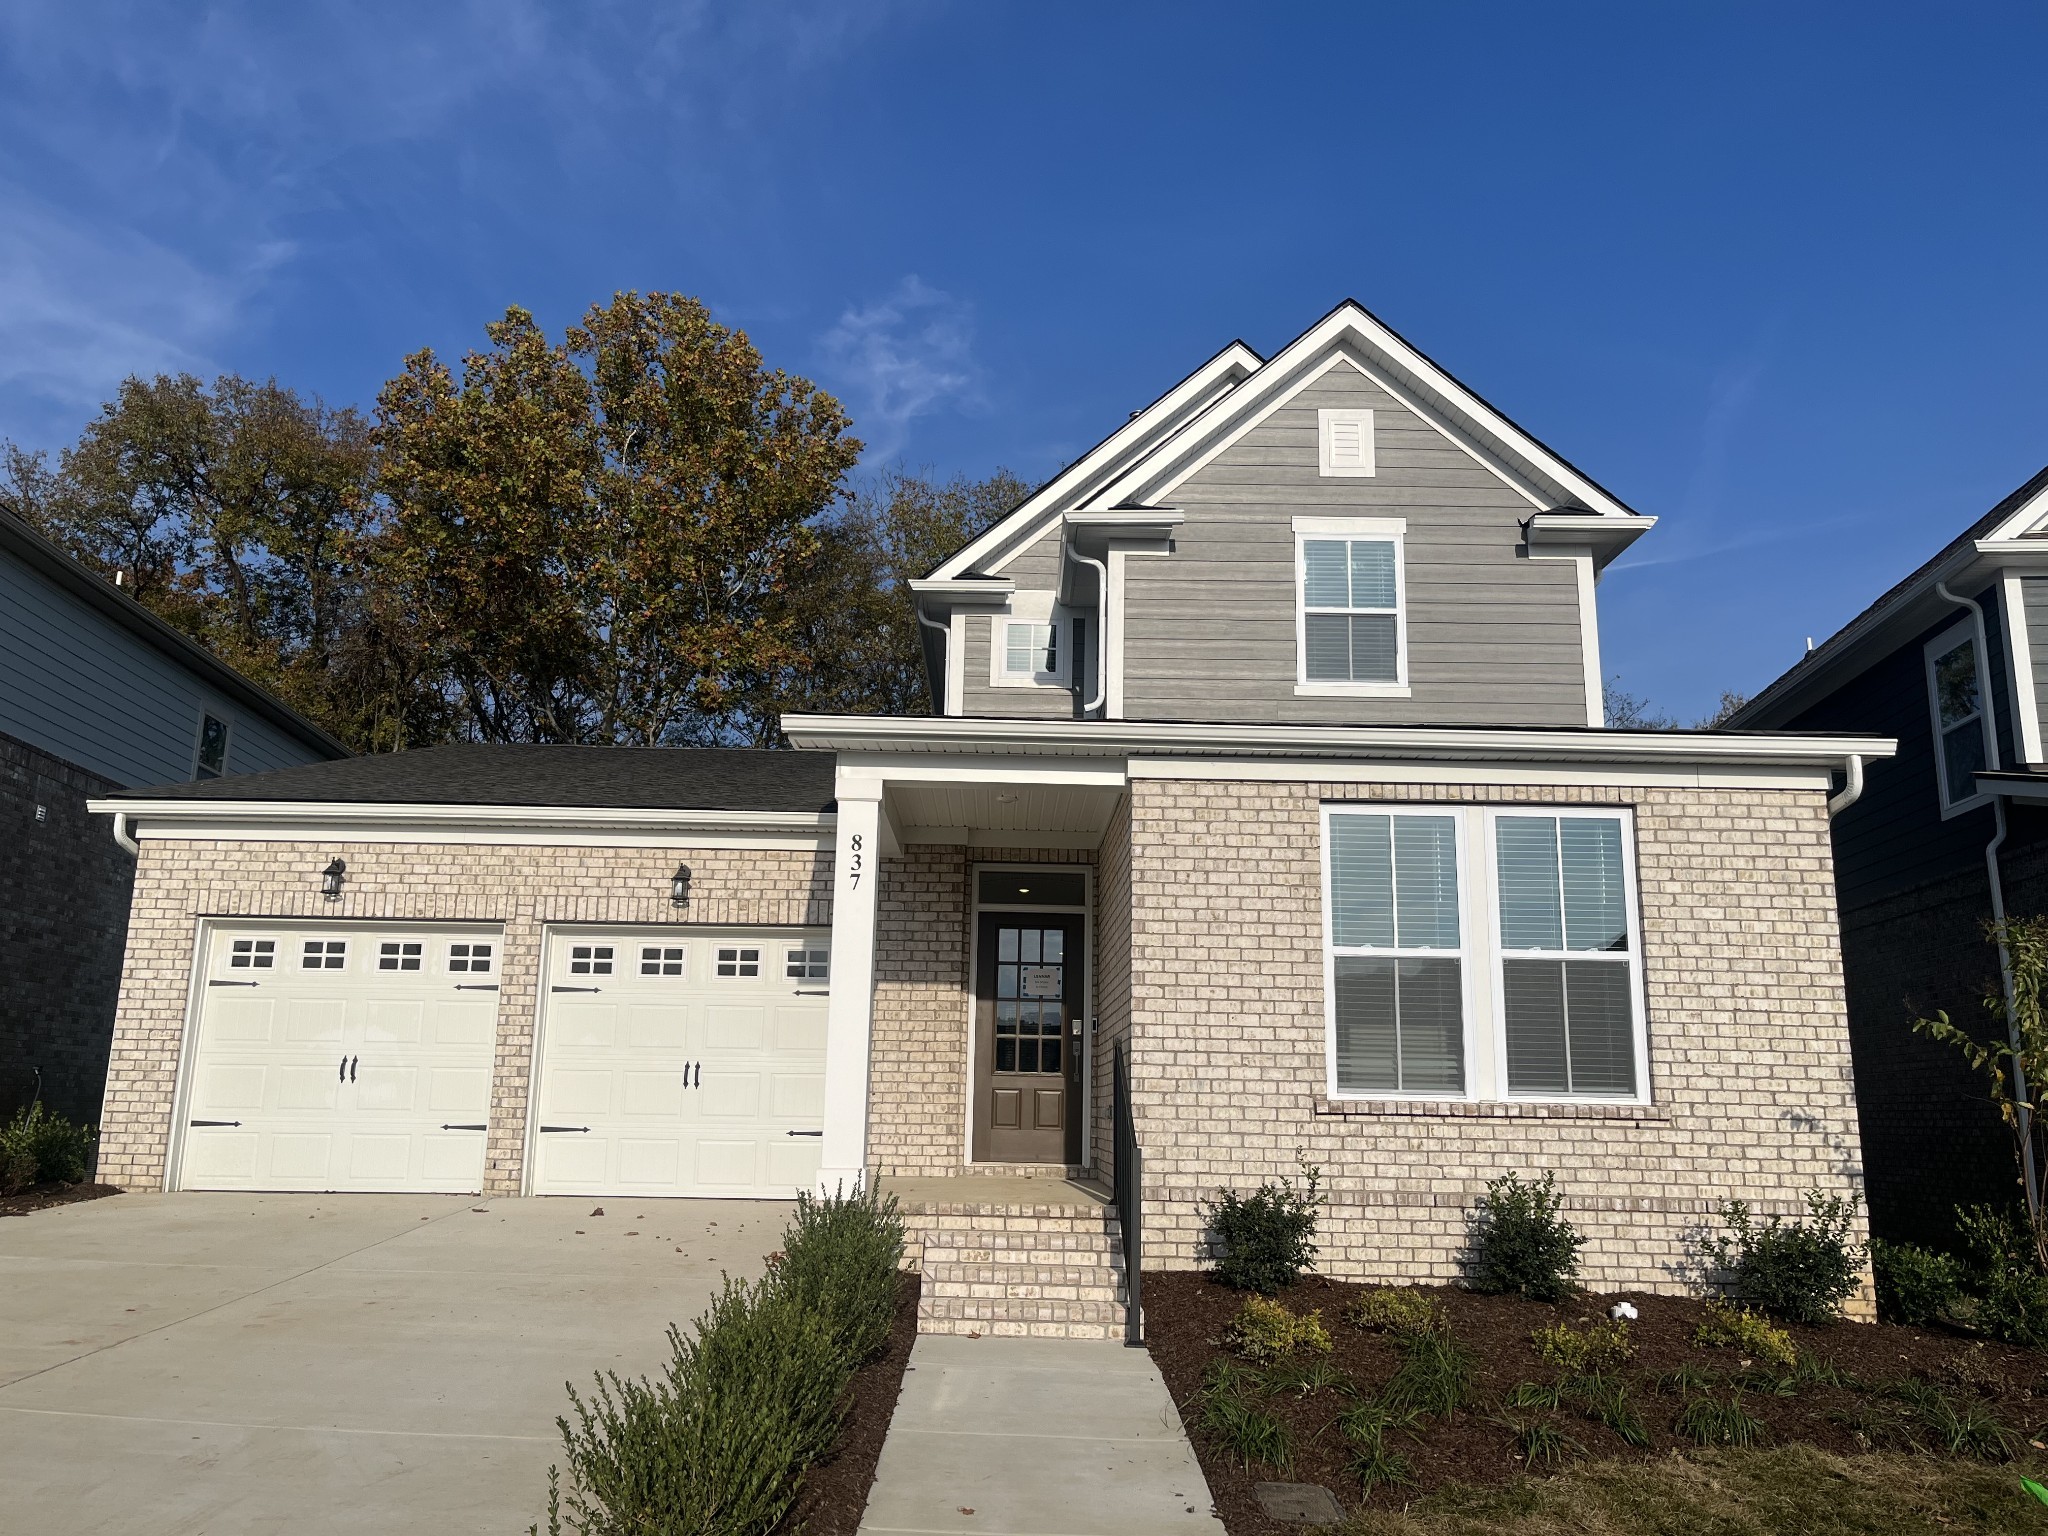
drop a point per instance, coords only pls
(1268, 815)
(97, 695)
(1947, 837)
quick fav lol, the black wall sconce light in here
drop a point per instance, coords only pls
(330, 880)
(679, 886)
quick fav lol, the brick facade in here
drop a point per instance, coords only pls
(64, 888)
(178, 883)
(1749, 1056)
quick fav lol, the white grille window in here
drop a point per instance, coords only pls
(1961, 732)
(253, 954)
(472, 959)
(400, 956)
(661, 960)
(590, 960)
(809, 964)
(739, 962)
(324, 955)
(1031, 650)
(1351, 611)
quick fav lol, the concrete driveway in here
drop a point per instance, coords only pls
(229, 1364)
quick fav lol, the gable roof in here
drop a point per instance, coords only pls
(2013, 522)
(486, 773)
(24, 543)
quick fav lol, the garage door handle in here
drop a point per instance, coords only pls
(216, 1122)
(476, 986)
(804, 1133)
(579, 1128)
(574, 989)
(231, 983)
(464, 1127)
(699, 1083)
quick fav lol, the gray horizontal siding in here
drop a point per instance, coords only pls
(1493, 637)
(1036, 567)
(2035, 592)
(86, 690)
(978, 698)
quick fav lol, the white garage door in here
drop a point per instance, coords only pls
(681, 1063)
(343, 1058)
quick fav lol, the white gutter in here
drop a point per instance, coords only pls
(1101, 625)
(121, 833)
(1134, 738)
(1852, 789)
(356, 812)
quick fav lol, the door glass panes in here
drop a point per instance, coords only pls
(809, 964)
(1566, 986)
(590, 959)
(1398, 975)
(474, 959)
(1030, 1001)
(1959, 712)
(1350, 611)
(739, 962)
(252, 954)
(399, 956)
(324, 955)
(661, 960)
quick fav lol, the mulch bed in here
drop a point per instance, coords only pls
(1185, 1315)
(39, 1197)
(835, 1490)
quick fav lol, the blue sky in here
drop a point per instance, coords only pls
(1772, 273)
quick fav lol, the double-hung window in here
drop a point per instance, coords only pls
(1351, 620)
(1397, 961)
(1953, 694)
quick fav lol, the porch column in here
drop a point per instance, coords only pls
(849, 1015)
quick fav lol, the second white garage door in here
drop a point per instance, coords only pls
(681, 1063)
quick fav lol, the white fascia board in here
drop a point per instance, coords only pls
(864, 773)
(2028, 554)
(1432, 775)
(1126, 519)
(1222, 374)
(994, 590)
(1133, 738)
(1606, 536)
(1157, 472)
(387, 817)
(2028, 516)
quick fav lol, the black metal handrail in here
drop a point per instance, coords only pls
(1130, 1203)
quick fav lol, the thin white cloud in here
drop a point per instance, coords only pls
(903, 357)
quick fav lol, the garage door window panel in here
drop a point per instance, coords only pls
(738, 964)
(471, 959)
(662, 960)
(252, 954)
(590, 959)
(324, 955)
(404, 955)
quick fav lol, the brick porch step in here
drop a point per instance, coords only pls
(1014, 1257)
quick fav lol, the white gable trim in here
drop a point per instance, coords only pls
(2019, 665)
(2028, 518)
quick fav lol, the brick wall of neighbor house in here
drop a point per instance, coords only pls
(1749, 1051)
(523, 888)
(1112, 978)
(64, 886)
(917, 1048)
(1931, 1139)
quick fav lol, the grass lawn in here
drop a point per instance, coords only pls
(1792, 1488)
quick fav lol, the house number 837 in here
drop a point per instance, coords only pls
(854, 861)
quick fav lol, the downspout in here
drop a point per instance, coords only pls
(2019, 1078)
(946, 650)
(1101, 626)
(121, 835)
(1851, 790)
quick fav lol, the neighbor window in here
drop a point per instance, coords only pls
(1961, 750)
(1031, 651)
(212, 760)
(1504, 974)
(1350, 608)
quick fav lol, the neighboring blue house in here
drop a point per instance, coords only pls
(1953, 662)
(97, 694)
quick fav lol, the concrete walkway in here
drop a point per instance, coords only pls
(1036, 1437)
(300, 1365)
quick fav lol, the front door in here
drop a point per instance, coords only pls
(1027, 1040)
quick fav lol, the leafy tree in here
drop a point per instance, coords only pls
(599, 537)
(1625, 711)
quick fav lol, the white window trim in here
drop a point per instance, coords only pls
(1963, 630)
(1029, 608)
(1481, 956)
(1393, 529)
(1497, 984)
(1468, 1000)
(1326, 417)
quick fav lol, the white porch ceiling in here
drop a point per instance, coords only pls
(1075, 814)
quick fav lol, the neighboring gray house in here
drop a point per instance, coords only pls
(97, 695)
(1953, 663)
(1270, 783)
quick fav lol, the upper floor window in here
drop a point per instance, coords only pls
(1954, 694)
(1030, 652)
(1344, 445)
(212, 759)
(1351, 615)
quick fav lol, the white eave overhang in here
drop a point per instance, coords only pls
(1148, 522)
(1606, 535)
(165, 817)
(965, 590)
(1409, 744)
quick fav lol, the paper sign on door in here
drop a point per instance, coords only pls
(1040, 981)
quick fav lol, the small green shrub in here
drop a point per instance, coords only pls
(1600, 1347)
(1265, 1241)
(1520, 1243)
(1540, 1443)
(37, 1146)
(1435, 1376)
(1796, 1271)
(2012, 1293)
(1727, 1327)
(1305, 1378)
(1397, 1309)
(1245, 1431)
(1606, 1400)
(1265, 1330)
(1710, 1421)
(839, 1259)
(1534, 1395)
(1915, 1285)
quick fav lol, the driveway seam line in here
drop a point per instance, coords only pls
(296, 1429)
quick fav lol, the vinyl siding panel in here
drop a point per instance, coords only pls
(1209, 632)
(83, 689)
(980, 699)
(2034, 590)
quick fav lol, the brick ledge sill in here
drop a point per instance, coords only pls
(1448, 1109)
